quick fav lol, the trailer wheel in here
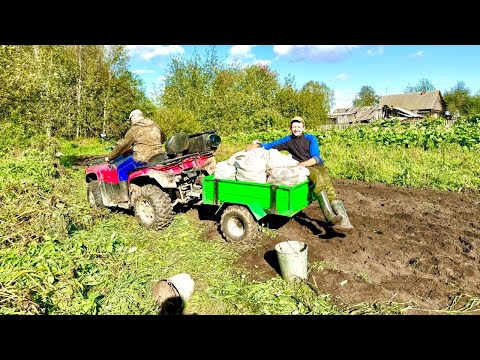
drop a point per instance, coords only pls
(153, 208)
(238, 225)
(95, 195)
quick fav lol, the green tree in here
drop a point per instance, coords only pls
(475, 104)
(189, 87)
(458, 99)
(123, 91)
(36, 82)
(67, 90)
(287, 100)
(189, 82)
(225, 106)
(256, 90)
(366, 97)
(315, 100)
(422, 85)
(215, 95)
(207, 94)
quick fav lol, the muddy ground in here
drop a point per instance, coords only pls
(411, 246)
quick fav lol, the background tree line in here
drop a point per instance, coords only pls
(460, 100)
(80, 90)
(68, 91)
(202, 94)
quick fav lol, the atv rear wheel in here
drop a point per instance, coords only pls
(153, 208)
(238, 225)
(95, 195)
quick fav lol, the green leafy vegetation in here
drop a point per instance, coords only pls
(58, 256)
(401, 153)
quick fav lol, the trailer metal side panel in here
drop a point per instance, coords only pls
(273, 199)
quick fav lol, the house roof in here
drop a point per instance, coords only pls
(412, 101)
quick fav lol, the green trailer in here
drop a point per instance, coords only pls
(243, 203)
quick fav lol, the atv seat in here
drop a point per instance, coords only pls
(158, 158)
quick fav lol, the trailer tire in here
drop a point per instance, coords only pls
(153, 208)
(95, 195)
(238, 225)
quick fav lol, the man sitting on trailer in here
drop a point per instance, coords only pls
(304, 148)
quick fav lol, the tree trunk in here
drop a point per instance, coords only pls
(49, 85)
(35, 51)
(104, 113)
(79, 87)
(105, 101)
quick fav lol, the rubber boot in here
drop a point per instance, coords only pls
(345, 226)
(330, 215)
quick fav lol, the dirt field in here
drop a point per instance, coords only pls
(417, 246)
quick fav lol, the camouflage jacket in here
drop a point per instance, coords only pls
(146, 138)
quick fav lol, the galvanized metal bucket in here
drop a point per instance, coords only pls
(292, 259)
(173, 293)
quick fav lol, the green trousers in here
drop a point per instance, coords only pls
(321, 180)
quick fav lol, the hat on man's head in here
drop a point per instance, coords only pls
(297, 119)
(135, 113)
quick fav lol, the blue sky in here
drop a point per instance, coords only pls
(389, 69)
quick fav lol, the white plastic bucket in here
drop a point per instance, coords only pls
(292, 258)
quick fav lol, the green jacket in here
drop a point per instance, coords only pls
(146, 138)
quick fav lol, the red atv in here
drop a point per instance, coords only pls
(168, 181)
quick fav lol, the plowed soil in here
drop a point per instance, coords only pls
(411, 246)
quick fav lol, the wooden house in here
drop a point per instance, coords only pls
(361, 114)
(425, 103)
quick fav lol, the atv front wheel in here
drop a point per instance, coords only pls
(95, 195)
(153, 208)
(238, 225)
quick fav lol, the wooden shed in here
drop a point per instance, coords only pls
(361, 114)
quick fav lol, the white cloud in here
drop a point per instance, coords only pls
(342, 77)
(242, 51)
(143, 71)
(242, 55)
(378, 51)
(313, 53)
(344, 98)
(418, 54)
(147, 52)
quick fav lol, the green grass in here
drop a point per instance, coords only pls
(72, 150)
(58, 256)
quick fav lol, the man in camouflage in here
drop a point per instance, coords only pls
(146, 138)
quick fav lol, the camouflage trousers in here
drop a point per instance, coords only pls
(321, 180)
